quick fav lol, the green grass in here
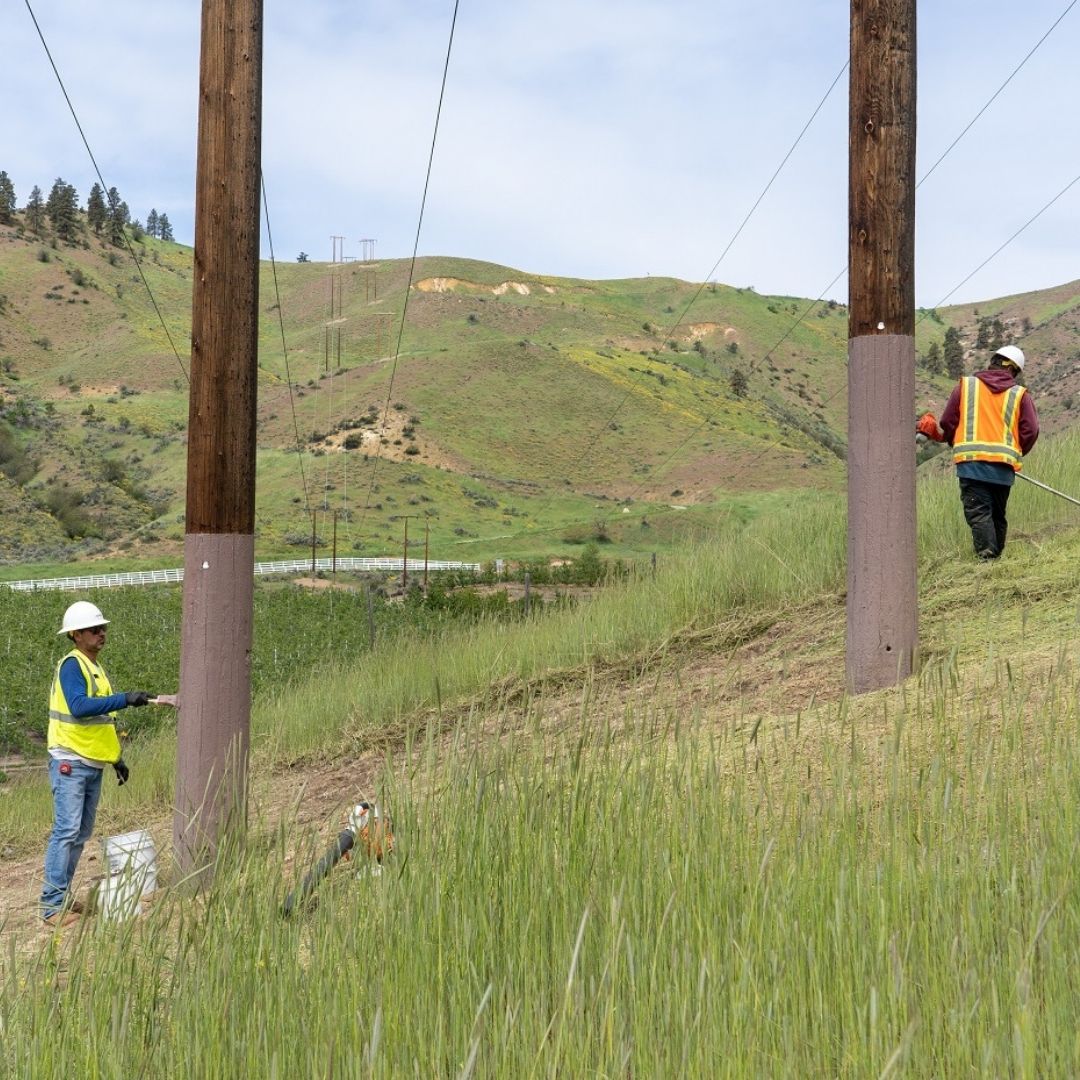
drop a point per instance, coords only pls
(665, 902)
(636, 885)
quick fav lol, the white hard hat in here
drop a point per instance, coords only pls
(81, 616)
(1011, 352)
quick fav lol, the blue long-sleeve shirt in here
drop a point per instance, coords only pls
(74, 686)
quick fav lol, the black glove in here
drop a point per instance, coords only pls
(122, 773)
(138, 697)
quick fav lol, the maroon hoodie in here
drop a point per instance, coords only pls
(998, 380)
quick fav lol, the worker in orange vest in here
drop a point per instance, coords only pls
(991, 423)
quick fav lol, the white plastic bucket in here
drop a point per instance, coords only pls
(132, 855)
(118, 897)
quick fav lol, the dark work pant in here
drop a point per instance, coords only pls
(984, 511)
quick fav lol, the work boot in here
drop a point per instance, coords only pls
(57, 920)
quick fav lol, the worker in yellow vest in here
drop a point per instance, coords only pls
(991, 423)
(82, 742)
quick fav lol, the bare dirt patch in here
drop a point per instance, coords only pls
(95, 390)
(390, 441)
(313, 799)
(515, 590)
(701, 330)
(450, 284)
(323, 583)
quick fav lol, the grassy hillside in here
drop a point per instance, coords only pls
(648, 835)
(526, 412)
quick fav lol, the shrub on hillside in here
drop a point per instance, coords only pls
(15, 463)
(66, 505)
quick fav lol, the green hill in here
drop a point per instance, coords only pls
(526, 412)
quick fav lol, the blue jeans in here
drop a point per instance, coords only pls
(75, 802)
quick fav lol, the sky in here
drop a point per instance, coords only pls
(581, 138)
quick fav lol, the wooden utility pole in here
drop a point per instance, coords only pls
(314, 542)
(882, 609)
(219, 542)
(427, 540)
(333, 562)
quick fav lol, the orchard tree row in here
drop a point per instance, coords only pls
(106, 213)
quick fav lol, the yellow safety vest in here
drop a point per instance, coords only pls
(989, 428)
(93, 737)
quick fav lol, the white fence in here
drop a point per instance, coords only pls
(283, 566)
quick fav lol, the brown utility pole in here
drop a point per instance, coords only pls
(314, 540)
(427, 536)
(384, 328)
(333, 562)
(219, 543)
(882, 592)
(405, 556)
(367, 256)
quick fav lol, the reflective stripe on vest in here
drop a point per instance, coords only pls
(91, 737)
(989, 427)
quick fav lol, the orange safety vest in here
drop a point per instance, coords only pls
(989, 428)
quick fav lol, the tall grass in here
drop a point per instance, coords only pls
(879, 887)
(747, 571)
(677, 901)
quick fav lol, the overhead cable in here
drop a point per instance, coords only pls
(412, 264)
(993, 97)
(105, 187)
(284, 346)
(606, 425)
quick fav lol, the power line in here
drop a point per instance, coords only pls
(827, 401)
(993, 97)
(828, 287)
(284, 346)
(105, 187)
(606, 425)
(768, 449)
(997, 251)
(412, 264)
(832, 397)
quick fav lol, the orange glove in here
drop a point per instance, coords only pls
(929, 427)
